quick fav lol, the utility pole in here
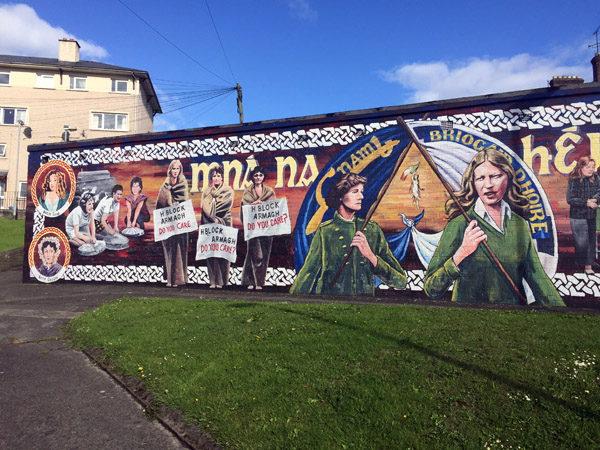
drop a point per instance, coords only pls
(239, 103)
(20, 122)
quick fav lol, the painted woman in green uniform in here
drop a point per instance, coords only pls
(493, 201)
(334, 238)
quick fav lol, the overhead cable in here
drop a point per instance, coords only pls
(220, 42)
(174, 45)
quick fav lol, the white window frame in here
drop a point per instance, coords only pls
(44, 81)
(114, 86)
(8, 82)
(20, 114)
(100, 124)
(2, 150)
(21, 184)
(73, 83)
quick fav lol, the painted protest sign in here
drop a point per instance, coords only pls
(266, 219)
(217, 241)
(174, 220)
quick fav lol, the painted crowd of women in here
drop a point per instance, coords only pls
(216, 204)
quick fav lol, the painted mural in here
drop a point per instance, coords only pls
(467, 202)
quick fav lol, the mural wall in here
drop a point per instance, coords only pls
(487, 200)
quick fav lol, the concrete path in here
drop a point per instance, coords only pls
(51, 396)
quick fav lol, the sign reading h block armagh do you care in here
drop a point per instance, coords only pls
(216, 241)
(174, 220)
(266, 219)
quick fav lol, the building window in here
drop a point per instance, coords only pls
(4, 78)
(11, 116)
(2, 150)
(22, 189)
(78, 83)
(45, 81)
(109, 121)
(119, 86)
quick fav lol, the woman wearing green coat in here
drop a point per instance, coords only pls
(334, 238)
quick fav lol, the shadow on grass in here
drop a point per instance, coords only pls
(473, 368)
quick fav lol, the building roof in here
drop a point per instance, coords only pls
(88, 66)
(53, 62)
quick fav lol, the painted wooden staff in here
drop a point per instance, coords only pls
(450, 191)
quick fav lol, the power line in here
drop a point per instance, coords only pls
(166, 39)
(205, 110)
(220, 42)
(200, 101)
(185, 83)
(113, 102)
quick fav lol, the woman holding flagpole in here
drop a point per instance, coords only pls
(497, 210)
(331, 248)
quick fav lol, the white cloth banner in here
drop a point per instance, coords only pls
(174, 220)
(216, 241)
(267, 219)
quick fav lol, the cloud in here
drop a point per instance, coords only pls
(479, 76)
(24, 33)
(302, 10)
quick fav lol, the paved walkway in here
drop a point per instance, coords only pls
(51, 396)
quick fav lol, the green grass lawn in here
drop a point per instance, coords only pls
(13, 234)
(309, 376)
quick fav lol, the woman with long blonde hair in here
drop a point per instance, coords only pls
(497, 213)
(174, 191)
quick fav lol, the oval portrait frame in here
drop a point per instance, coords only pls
(40, 175)
(33, 249)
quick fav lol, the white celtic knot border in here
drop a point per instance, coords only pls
(493, 121)
(230, 145)
(576, 285)
(534, 118)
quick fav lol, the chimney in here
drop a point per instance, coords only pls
(68, 50)
(565, 80)
(596, 65)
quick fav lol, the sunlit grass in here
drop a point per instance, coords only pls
(278, 376)
(13, 234)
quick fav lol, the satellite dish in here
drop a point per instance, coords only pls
(27, 132)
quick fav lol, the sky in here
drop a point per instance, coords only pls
(294, 58)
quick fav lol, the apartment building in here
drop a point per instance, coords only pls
(41, 99)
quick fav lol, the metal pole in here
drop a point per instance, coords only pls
(20, 122)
